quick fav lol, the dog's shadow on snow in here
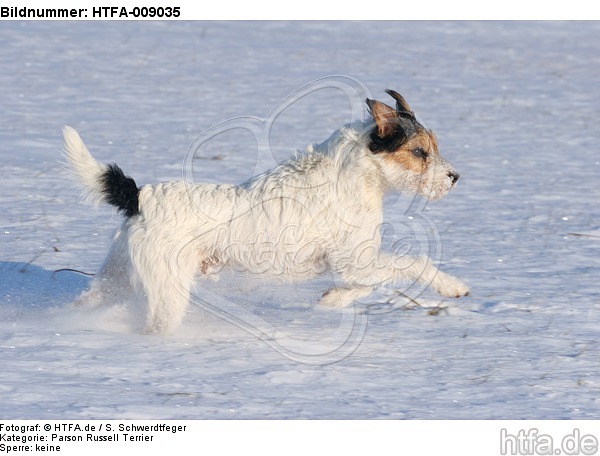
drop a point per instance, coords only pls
(25, 287)
(30, 294)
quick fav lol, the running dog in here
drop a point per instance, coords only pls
(320, 211)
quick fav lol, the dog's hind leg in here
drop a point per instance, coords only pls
(112, 283)
(167, 302)
(166, 275)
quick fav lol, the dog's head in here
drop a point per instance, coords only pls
(408, 151)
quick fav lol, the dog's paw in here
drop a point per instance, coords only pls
(449, 286)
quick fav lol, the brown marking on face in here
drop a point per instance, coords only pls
(405, 157)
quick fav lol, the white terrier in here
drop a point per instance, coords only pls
(319, 212)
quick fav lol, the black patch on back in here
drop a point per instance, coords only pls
(120, 190)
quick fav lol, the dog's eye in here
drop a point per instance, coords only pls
(419, 153)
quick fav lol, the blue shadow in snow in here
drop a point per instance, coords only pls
(28, 286)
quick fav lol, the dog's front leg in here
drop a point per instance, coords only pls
(423, 271)
(361, 277)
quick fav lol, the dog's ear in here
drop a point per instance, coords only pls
(385, 117)
(401, 105)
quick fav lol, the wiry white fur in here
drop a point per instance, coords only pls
(320, 211)
(84, 166)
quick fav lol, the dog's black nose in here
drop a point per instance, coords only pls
(454, 176)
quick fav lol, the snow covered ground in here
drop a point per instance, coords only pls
(516, 109)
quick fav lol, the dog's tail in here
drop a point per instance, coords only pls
(102, 183)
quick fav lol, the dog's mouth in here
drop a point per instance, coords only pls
(435, 191)
(433, 194)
